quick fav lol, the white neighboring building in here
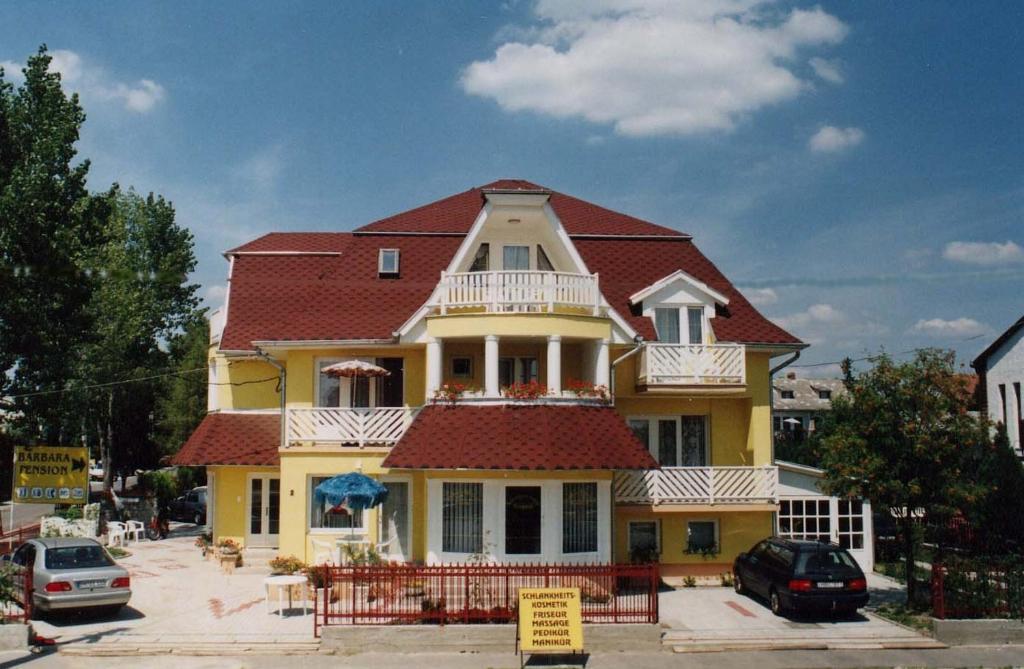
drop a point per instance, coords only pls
(805, 512)
(1000, 370)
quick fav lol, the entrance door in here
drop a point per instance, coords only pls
(394, 522)
(264, 510)
(522, 520)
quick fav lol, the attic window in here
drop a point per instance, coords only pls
(787, 394)
(387, 262)
(824, 394)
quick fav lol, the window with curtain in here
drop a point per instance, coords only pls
(579, 517)
(695, 442)
(328, 388)
(321, 518)
(462, 517)
(695, 321)
(515, 257)
(666, 322)
(667, 455)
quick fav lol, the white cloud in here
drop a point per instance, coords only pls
(262, 169)
(983, 253)
(815, 314)
(827, 70)
(760, 296)
(830, 139)
(92, 82)
(958, 327)
(652, 67)
(214, 295)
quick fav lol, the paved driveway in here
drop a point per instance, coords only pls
(711, 618)
(180, 598)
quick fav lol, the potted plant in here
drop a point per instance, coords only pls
(286, 565)
(525, 391)
(229, 553)
(203, 544)
(319, 576)
(586, 389)
(450, 392)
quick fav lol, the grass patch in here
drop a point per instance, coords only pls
(117, 552)
(899, 613)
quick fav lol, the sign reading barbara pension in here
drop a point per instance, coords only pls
(51, 475)
(550, 620)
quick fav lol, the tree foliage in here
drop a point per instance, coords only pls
(182, 405)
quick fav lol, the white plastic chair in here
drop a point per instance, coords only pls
(323, 551)
(116, 533)
(135, 530)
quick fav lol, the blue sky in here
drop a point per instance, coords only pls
(858, 168)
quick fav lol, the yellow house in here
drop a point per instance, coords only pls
(564, 383)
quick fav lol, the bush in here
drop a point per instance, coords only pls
(162, 484)
(286, 565)
(690, 582)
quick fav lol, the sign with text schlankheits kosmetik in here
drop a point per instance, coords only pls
(51, 475)
(550, 620)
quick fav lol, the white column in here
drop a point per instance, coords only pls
(435, 365)
(491, 366)
(555, 364)
(602, 369)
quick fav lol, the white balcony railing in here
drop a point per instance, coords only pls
(698, 485)
(692, 364)
(360, 427)
(521, 290)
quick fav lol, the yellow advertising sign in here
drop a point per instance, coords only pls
(550, 620)
(51, 475)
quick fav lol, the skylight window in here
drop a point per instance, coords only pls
(387, 262)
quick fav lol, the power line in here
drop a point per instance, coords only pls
(110, 384)
(870, 357)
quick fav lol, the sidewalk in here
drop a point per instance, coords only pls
(180, 599)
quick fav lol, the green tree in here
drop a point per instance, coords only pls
(900, 438)
(998, 515)
(142, 299)
(182, 404)
(48, 222)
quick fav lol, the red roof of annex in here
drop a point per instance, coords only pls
(233, 439)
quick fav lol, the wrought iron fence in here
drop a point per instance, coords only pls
(978, 589)
(14, 538)
(471, 593)
(15, 593)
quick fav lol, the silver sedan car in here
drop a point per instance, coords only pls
(73, 574)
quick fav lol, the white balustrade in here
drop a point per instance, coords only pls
(362, 427)
(698, 485)
(519, 290)
(692, 364)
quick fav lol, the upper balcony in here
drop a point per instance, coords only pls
(686, 365)
(362, 427)
(698, 485)
(519, 291)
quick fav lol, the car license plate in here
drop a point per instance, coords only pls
(833, 585)
(96, 583)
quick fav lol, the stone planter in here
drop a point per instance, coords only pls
(228, 562)
(15, 636)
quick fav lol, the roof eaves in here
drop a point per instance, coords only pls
(979, 361)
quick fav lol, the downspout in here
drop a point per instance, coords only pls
(771, 395)
(282, 382)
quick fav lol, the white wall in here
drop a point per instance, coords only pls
(1006, 367)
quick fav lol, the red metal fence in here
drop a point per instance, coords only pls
(977, 589)
(448, 594)
(20, 606)
(14, 538)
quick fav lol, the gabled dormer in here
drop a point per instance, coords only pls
(681, 308)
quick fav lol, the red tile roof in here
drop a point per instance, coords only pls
(519, 437)
(457, 213)
(233, 439)
(629, 265)
(341, 297)
(303, 297)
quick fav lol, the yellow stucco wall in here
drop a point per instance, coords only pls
(518, 325)
(230, 491)
(259, 378)
(737, 532)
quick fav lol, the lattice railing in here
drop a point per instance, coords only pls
(693, 364)
(521, 290)
(360, 427)
(698, 485)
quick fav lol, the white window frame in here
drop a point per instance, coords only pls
(652, 435)
(332, 531)
(637, 521)
(683, 321)
(529, 256)
(561, 518)
(803, 516)
(406, 479)
(381, 254)
(701, 519)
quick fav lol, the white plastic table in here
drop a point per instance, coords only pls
(283, 583)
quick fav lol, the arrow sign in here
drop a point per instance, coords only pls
(77, 465)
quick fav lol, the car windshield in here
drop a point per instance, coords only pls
(825, 560)
(77, 557)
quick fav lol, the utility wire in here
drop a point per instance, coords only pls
(110, 384)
